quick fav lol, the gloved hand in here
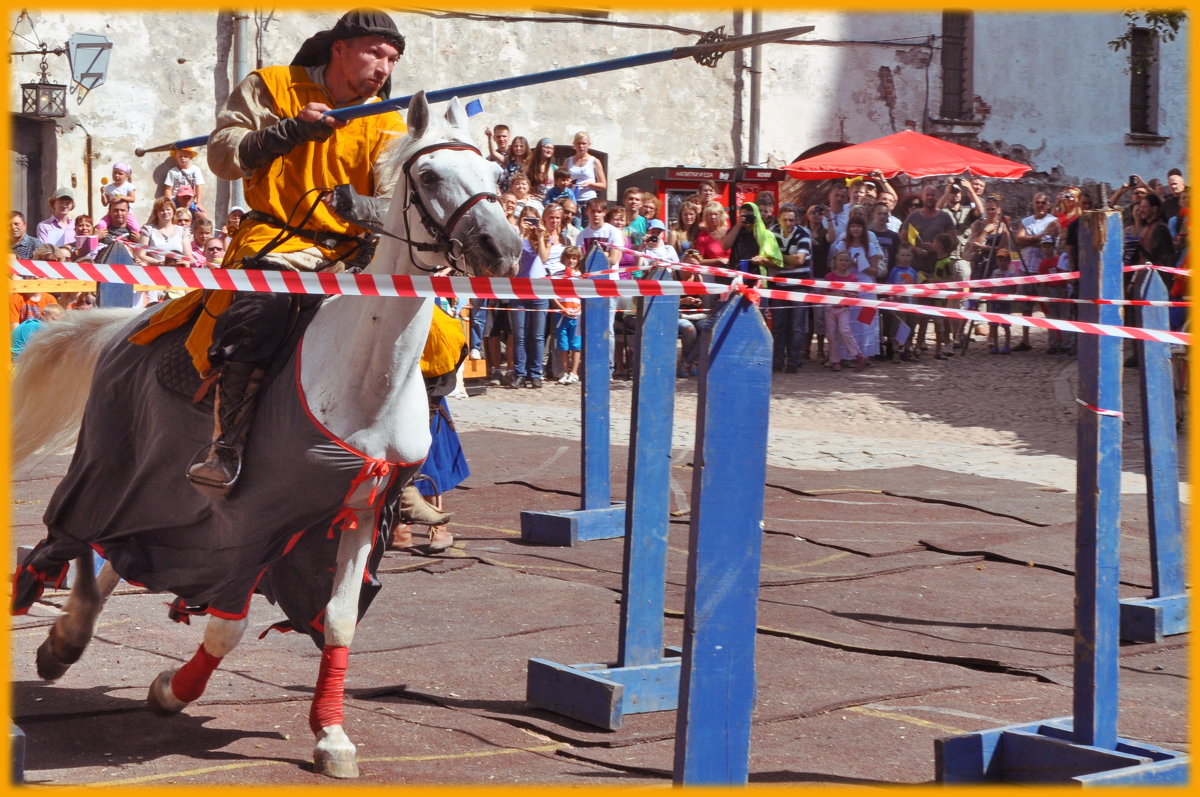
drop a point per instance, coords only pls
(365, 211)
(259, 148)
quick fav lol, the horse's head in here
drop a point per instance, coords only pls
(444, 204)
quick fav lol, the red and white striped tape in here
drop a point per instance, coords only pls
(932, 290)
(518, 288)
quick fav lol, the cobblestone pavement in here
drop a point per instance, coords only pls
(1009, 417)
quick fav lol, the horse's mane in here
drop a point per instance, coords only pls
(395, 153)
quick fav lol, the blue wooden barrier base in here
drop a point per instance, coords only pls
(1085, 748)
(601, 694)
(1151, 619)
(1043, 752)
(16, 748)
(572, 526)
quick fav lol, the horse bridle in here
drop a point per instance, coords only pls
(442, 233)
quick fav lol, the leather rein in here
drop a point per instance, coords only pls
(442, 233)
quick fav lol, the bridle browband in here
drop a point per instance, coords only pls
(443, 233)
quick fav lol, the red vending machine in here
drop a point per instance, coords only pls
(751, 182)
(674, 184)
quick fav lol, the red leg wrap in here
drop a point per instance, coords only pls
(190, 680)
(331, 686)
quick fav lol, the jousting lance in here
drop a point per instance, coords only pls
(707, 52)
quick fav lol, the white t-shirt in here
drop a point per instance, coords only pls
(189, 176)
(1031, 256)
(661, 252)
(113, 190)
(606, 233)
(861, 257)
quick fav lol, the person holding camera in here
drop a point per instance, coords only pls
(528, 318)
(961, 202)
(752, 247)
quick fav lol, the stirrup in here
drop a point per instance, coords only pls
(215, 469)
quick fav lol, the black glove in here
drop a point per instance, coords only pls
(263, 146)
(365, 211)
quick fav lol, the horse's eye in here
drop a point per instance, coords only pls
(429, 178)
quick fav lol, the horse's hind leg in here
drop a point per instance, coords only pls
(172, 690)
(73, 630)
(334, 754)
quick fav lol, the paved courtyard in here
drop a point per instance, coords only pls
(917, 583)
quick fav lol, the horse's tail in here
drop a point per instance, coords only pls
(52, 378)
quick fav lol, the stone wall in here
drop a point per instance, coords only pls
(1050, 91)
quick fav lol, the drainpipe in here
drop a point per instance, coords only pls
(241, 68)
(755, 90)
(88, 157)
(739, 66)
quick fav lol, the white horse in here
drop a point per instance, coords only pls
(348, 423)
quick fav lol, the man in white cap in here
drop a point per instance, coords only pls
(59, 230)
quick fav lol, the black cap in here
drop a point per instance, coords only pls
(359, 22)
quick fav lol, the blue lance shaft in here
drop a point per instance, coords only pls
(706, 53)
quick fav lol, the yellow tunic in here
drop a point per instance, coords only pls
(444, 346)
(285, 189)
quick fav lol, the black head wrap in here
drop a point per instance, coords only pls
(359, 22)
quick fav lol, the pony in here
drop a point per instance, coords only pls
(347, 425)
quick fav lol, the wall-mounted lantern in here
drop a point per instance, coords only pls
(44, 100)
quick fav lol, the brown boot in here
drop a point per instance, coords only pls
(401, 538)
(416, 510)
(439, 539)
(217, 468)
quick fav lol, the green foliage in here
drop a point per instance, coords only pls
(1163, 26)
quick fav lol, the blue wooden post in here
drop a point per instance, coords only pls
(1085, 748)
(115, 294)
(16, 751)
(1165, 612)
(1098, 493)
(645, 676)
(648, 490)
(712, 731)
(598, 517)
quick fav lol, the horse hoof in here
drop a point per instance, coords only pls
(335, 755)
(162, 700)
(49, 666)
(336, 763)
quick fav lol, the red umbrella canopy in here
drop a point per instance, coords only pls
(906, 152)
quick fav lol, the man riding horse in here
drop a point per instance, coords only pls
(315, 191)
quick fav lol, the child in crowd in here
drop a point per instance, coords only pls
(570, 343)
(562, 187)
(1004, 268)
(944, 270)
(1054, 262)
(842, 345)
(903, 273)
(185, 174)
(121, 185)
(519, 186)
(85, 238)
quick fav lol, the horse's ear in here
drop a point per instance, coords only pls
(456, 116)
(418, 115)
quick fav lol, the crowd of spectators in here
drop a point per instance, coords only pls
(942, 230)
(939, 230)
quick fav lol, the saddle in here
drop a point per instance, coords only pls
(175, 367)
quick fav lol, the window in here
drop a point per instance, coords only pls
(1143, 82)
(957, 55)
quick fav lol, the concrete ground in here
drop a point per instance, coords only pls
(917, 583)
